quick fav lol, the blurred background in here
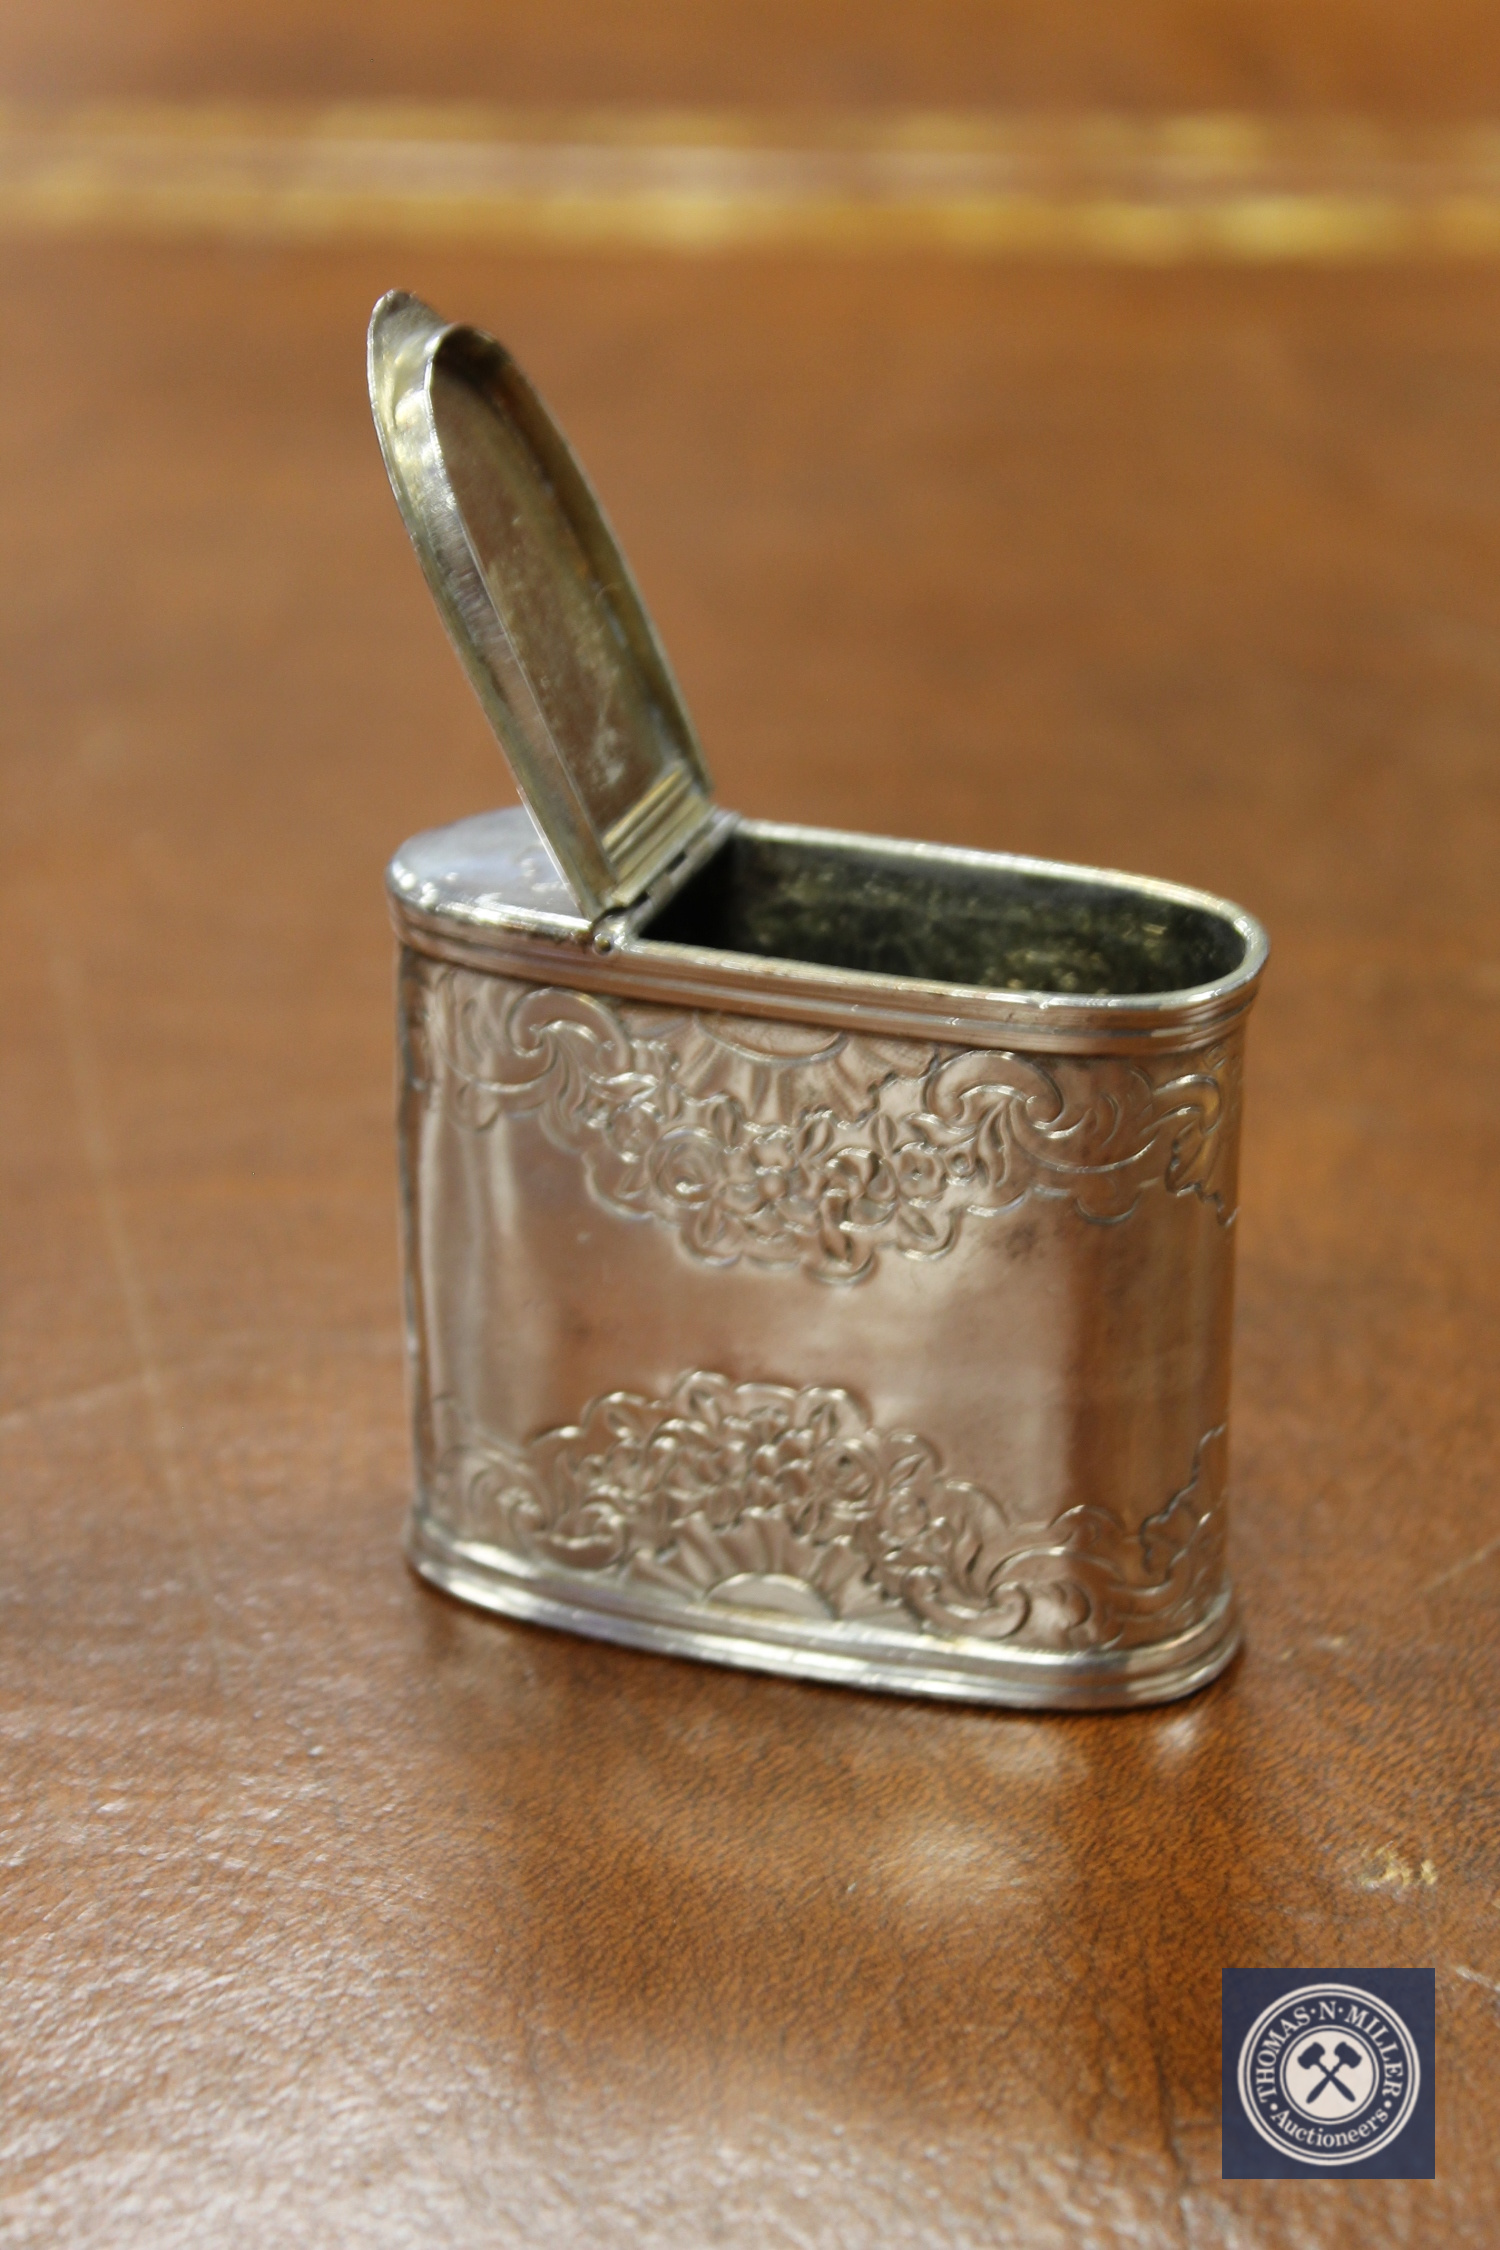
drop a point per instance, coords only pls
(1067, 429)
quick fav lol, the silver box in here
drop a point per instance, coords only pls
(819, 1249)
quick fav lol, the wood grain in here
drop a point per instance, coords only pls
(336, 1914)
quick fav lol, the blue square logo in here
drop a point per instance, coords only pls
(1328, 2074)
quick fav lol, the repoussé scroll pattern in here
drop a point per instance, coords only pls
(794, 1145)
(761, 1496)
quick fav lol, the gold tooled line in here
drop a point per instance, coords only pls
(1115, 189)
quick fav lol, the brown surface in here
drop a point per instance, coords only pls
(1439, 59)
(339, 1915)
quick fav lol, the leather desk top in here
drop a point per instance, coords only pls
(337, 1914)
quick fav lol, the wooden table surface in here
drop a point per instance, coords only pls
(337, 1914)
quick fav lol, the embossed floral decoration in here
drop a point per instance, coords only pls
(796, 1146)
(772, 1498)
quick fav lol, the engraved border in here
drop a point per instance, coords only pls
(765, 1498)
(797, 1146)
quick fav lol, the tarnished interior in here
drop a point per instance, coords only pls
(902, 912)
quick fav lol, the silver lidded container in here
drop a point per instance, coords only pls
(819, 1248)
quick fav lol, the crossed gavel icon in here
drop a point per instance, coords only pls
(1345, 2057)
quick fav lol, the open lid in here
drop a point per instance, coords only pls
(539, 604)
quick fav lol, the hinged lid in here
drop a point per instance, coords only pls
(539, 603)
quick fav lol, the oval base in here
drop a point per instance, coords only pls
(834, 1652)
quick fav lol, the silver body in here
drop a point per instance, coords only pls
(840, 1324)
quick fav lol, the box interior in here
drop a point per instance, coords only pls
(949, 921)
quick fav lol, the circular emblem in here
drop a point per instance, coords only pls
(1329, 2074)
